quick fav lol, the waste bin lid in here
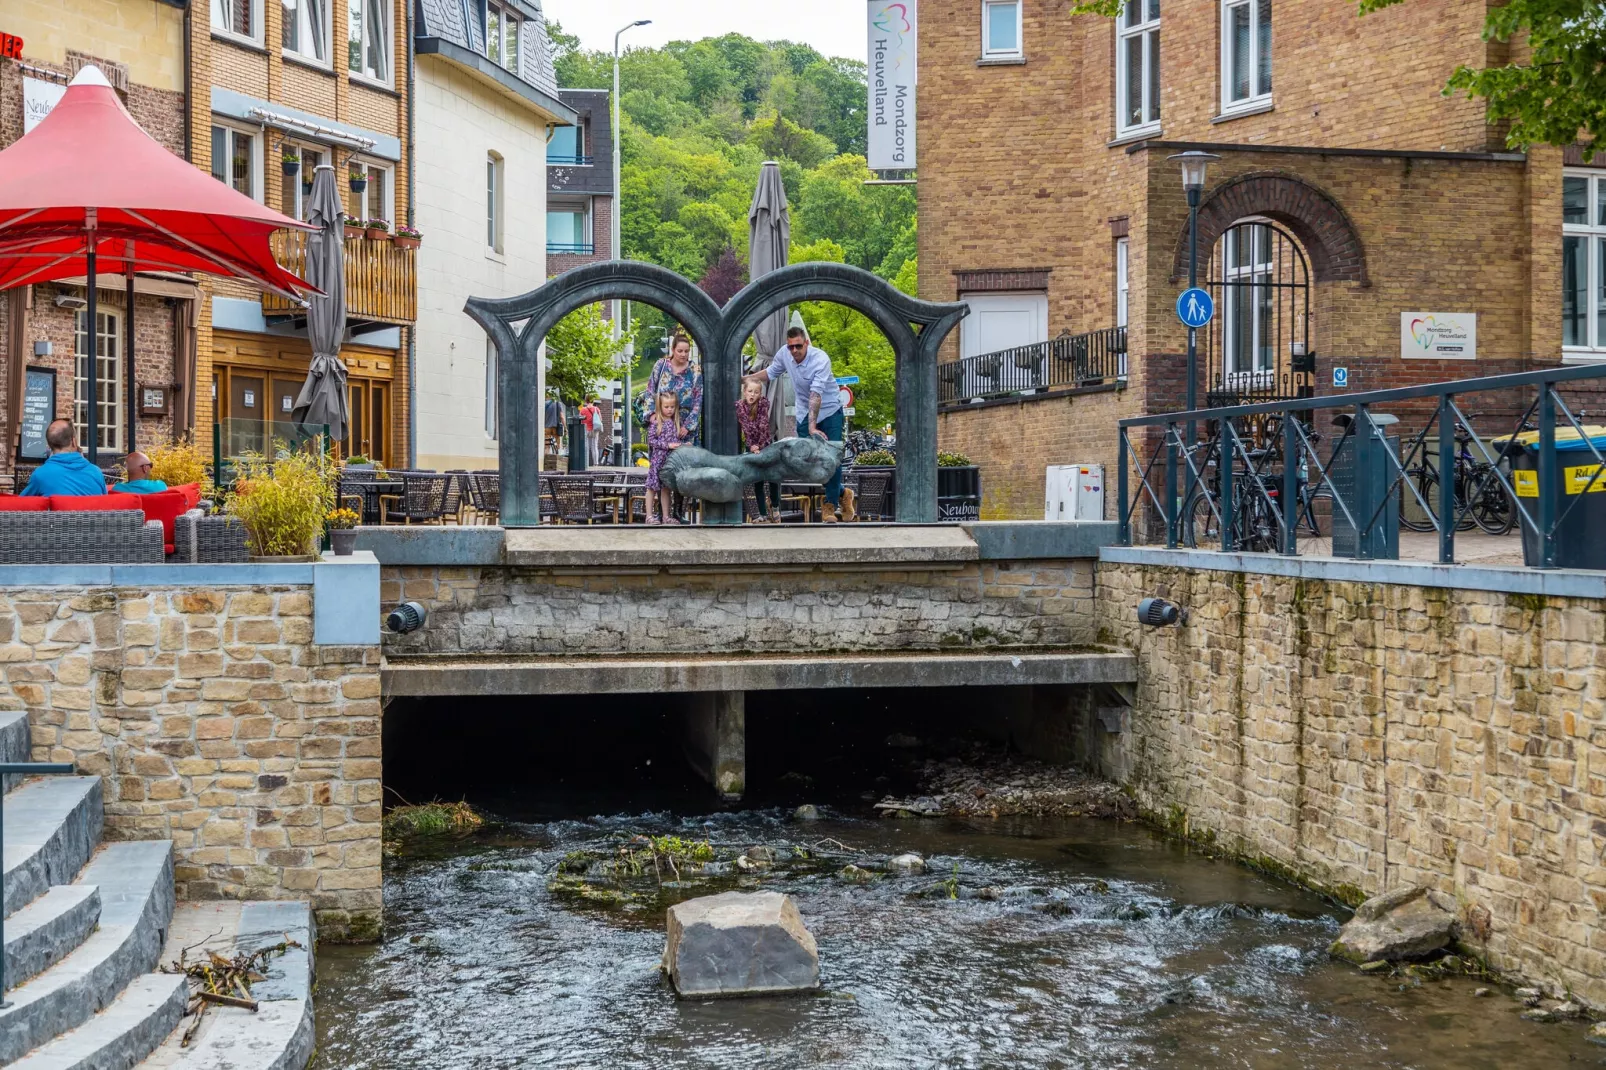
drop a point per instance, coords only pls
(1566, 438)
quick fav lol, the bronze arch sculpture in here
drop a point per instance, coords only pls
(916, 329)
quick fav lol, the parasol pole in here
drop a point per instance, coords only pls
(128, 345)
(94, 350)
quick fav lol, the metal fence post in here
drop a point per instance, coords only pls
(1171, 486)
(1225, 458)
(1364, 505)
(1124, 530)
(1548, 475)
(1290, 487)
(1447, 517)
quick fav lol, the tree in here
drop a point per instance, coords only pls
(1561, 90)
(725, 279)
(582, 351)
(780, 137)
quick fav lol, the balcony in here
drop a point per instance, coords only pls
(559, 248)
(1071, 361)
(381, 279)
(570, 161)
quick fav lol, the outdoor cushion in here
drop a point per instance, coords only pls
(16, 503)
(165, 506)
(92, 503)
(191, 492)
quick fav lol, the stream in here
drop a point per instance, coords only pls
(1030, 943)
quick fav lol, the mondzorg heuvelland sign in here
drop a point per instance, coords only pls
(893, 30)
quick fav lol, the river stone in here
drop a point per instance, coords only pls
(907, 864)
(1410, 923)
(740, 944)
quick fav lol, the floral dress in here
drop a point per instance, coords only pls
(661, 435)
(688, 389)
(755, 425)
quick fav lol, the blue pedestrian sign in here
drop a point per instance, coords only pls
(1195, 307)
(1341, 377)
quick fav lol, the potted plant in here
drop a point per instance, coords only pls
(353, 226)
(282, 504)
(407, 236)
(358, 463)
(342, 531)
(291, 162)
(358, 178)
(378, 229)
(958, 487)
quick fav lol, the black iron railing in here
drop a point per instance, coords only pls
(586, 248)
(570, 161)
(1262, 477)
(1071, 360)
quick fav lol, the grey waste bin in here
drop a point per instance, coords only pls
(1383, 539)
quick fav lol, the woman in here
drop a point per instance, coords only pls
(675, 374)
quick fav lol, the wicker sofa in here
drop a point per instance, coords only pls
(116, 537)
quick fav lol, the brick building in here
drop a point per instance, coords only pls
(580, 193)
(140, 47)
(1352, 199)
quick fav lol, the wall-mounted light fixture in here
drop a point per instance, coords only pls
(1157, 612)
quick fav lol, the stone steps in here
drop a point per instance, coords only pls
(279, 1036)
(47, 929)
(121, 1035)
(15, 745)
(52, 824)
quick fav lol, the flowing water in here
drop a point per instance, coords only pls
(1030, 944)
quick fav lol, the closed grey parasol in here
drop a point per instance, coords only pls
(769, 229)
(322, 401)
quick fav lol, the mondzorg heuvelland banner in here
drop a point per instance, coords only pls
(893, 35)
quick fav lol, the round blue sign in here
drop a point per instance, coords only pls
(1195, 307)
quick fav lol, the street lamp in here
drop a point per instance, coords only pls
(1193, 164)
(618, 197)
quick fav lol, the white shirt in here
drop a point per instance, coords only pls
(811, 376)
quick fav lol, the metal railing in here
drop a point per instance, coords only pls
(558, 248)
(570, 161)
(1071, 360)
(381, 277)
(1278, 472)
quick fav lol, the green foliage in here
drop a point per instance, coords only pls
(282, 502)
(1560, 91)
(582, 351)
(856, 346)
(946, 459)
(876, 457)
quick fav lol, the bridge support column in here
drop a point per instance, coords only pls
(716, 740)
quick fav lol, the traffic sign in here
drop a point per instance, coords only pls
(1341, 377)
(847, 380)
(847, 399)
(1195, 307)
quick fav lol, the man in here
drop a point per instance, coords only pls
(65, 471)
(139, 477)
(809, 369)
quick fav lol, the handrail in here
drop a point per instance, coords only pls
(1069, 360)
(381, 277)
(1468, 480)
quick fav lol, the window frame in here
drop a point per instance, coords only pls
(255, 135)
(1260, 277)
(109, 393)
(506, 15)
(987, 49)
(1149, 31)
(328, 36)
(388, 36)
(495, 203)
(255, 38)
(581, 158)
(325, 155)
(1257, 97)
(582, 208)
(368, 163)
(1594, 237)
(1123, 280)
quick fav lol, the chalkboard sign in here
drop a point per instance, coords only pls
(38, 409)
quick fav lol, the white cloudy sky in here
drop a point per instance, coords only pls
(834, 27)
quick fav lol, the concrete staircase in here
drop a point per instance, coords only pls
(86, 925)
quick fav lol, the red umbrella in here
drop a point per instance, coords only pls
(89, 185)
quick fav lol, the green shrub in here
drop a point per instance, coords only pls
(282, 503)
(876, 457)
(952, 460)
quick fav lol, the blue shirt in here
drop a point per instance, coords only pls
(141, 486)
(810, 377)
(65, 473)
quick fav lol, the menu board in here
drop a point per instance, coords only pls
(38, 409)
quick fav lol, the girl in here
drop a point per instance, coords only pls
(753, 414)
(664, 433)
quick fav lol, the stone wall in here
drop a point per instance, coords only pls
(759, 610)
(1370, 736)
(215, 722)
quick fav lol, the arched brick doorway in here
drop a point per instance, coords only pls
(1308, 213)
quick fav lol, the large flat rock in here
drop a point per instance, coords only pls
(765, 547)
(740, 944)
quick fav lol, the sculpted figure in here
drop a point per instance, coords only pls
(697, 473)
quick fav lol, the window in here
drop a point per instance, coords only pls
(568, 229)
(568, 145)
(368, 38)
(238, 17)
(1000, 28)
(1245, 53)
(108, 398)
(1121, 280)
(373, 201)
(493, 201)
(306, 28)
(502, 36)
(493, 395)
(295, 190)
(1249, 340)
(236, 160)
(1583, 260)
(1137, 67)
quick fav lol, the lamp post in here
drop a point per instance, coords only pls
(618, 197)
(1193, 164)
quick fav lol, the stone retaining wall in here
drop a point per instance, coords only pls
(1370, 736)
(216, 722)
(508, 610)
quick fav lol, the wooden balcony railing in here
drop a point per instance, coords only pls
(381, 279)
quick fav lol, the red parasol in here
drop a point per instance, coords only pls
(89, 185)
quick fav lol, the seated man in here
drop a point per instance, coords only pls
(139, 476)
(66, 471)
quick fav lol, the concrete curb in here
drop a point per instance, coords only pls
(52, 826)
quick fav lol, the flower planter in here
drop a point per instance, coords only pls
(358, 185)
(959, 482)
(291, 167)
(375, 234)
(404, 242)
(343, 540)
(354, 232)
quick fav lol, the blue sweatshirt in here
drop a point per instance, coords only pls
(65, 473)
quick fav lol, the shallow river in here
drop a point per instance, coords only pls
(1091, 944)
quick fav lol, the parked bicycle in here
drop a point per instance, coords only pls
(1257, 500)
(1480, 498)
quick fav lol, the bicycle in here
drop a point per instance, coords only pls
(1256, 523)
(1480, 498)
